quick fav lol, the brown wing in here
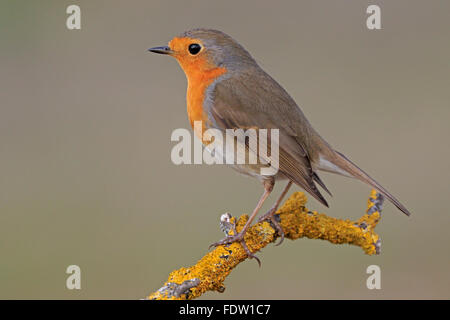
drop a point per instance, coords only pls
(237, 104)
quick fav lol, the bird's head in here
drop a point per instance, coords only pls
(201, 50)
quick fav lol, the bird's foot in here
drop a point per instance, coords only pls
(236, 237)
(271, 218)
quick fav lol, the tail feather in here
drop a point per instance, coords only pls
(338, 163)
(319, 181)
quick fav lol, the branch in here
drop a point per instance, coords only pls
(209, 273)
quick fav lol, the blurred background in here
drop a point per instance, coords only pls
(85, 123)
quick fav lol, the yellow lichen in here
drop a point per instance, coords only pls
(210, 272)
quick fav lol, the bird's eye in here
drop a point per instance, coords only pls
(194, 48)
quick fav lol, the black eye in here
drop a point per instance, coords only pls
(194, 48)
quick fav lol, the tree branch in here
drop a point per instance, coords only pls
(209, 273)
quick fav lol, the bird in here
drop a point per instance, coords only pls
(227, 89)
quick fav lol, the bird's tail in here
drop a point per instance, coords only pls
(336, 162)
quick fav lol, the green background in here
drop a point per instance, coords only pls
(85, 124)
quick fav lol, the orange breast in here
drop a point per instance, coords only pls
(198, 83)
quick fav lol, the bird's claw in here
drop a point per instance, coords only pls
(237, 237)
(270, 217)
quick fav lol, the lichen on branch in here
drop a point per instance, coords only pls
(210, 272)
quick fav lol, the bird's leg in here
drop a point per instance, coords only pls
(239, 237)
(270, 215)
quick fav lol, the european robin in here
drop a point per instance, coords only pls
(228, 90)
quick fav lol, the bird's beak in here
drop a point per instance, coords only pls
(161, 50)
